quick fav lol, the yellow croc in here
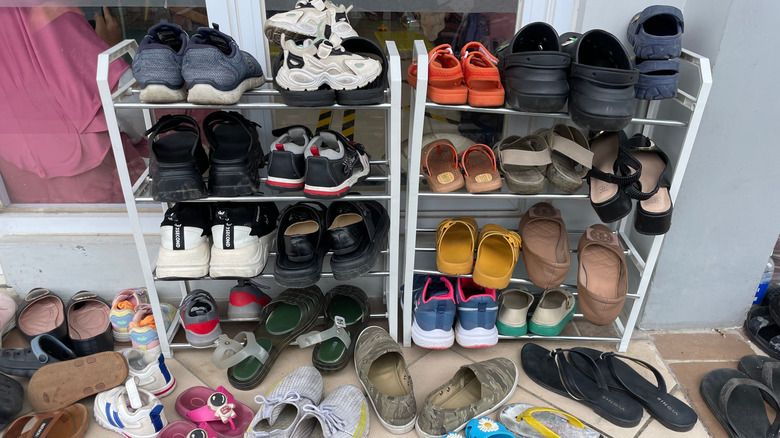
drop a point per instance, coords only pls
(497, 256)
(455, 242)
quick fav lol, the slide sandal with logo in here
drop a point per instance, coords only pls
(69, 422)
(218, 409)
(670, 411)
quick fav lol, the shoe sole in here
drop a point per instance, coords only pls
(206, 94)
(244, 262)
(432, 339)
(187, 263)
(61, 384)
(203, 341)
(156, 93)
(338, 191)
(314, 81)
(283, 184)
(477, 337)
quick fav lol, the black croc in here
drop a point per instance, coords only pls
(374, 92)
(763, 331)
(11, 399)
(301, 244)
(89, 327)
(42, 312)
(534, 69)
(609, 175)
(235, 154)
(670, 411)
(178, 159)
(346, 315)
(657, 79)
(357, 233)
(654, 209)
(738, 403)
(43, 350)
(552, 370)
(601, 82)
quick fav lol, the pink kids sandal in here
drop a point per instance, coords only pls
(217, 409)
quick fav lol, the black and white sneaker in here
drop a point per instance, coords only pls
(286, 164)
(243, 235)
(235, 153)
(333, 165)
(184, 249)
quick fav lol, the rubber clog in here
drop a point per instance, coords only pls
(497, 254)
(456, 240)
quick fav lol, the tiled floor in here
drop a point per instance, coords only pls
(682, 358)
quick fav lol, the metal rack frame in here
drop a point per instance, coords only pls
(126, 97)
(644, 263)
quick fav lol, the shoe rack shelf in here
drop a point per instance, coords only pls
(387, 188)
(675, 120)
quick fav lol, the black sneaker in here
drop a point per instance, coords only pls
(333, 165)
(302, 242)
(243, 235)
(184, 247)
(358, 234)
(178, 159)
(286, 164)
(235, 153)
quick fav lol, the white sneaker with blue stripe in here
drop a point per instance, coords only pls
(150, 369)
(132, 412)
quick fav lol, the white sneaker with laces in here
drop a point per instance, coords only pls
(150, 369)
(132, 412)
(302, 22)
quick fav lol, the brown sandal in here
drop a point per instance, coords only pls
(70, 422)
(546, 250)
(480, 169)
(440, 166)
(602, 278)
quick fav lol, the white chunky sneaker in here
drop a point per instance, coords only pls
(323, 61)
(184, 245)
(301, 23)
(130, 411)
(243, 236)
(150, 369)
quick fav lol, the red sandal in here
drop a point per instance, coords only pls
(481, 76)
(445, 77)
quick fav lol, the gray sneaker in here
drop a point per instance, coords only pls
(474, 391)
(280, 413)
(216, 71)
(157, 65)
(378, 357)
(343, 414)
(200, 318)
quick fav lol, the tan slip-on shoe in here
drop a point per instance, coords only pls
(602, 278)
(555, 309)
(546, 250)
(513, 306)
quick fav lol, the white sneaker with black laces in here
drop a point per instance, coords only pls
(243, 235)
(308, 66)
(333, 165)
(184, 246)
(302, 22)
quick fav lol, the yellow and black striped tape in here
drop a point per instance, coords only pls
(324, 120)
(348, 125)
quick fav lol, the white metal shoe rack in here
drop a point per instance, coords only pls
(126, 96)
(672, 124)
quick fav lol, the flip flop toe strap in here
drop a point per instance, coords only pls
(528, 417)
(231, 352)
(768, 372)
(610, 359)
(565, 371)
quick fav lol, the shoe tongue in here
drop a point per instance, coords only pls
(198, 310)
(330, 145)
(215, 38)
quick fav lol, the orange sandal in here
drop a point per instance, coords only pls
(445, 77)
(481, 76)
(440, 166)
(480, 169)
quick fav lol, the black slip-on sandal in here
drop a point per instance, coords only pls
(737, 403)
(763, 331)
(235, 153)
(346, 314)
(357, 233)
(301, 244)
(178, 159)
(762, 369)
(374, 92)
(670, 411)
(552, 370)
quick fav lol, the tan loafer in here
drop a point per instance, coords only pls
(602, 278)
(513, 306)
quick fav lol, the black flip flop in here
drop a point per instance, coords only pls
(670, 411)
(762, 369)
(763, 331)
(737, 403)
(552, 370)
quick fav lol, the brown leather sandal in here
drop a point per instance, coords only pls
(479, 166)
(70, 422)
(440, 166)
(602, 278)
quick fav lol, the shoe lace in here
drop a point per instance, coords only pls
(328, 417)
(268, 404)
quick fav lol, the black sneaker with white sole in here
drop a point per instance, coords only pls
(184, 247)
(177, 159)
(333, 165)
(235, 153)
(243, 235)
(286, 163)
(302, 242)
(358, 234)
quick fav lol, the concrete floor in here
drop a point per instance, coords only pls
(682, 358)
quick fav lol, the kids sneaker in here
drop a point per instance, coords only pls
(150, 370)
(184, 241)
(200, 318)
(302, 22)
(129, 411)
(157, 64)
(343, 413)
(281, 410)
(286, 163)
(323, 61)
(216, 70)
(143, 330)
(333, 165)
(243, 236)
(123, 311)
(434, 312)
(247, 300)
(477, 313)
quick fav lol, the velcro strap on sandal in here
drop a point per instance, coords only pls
(515, 159)
(571, 149)
(323, 51)
(338, 330)
(231, 352)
